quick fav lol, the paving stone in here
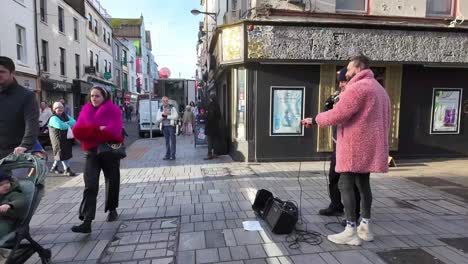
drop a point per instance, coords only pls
(239, 252)
(247, 237)
(275, 249)
(256, 251)
(191, 241)
(224, 254)
(186, 257)
(308, 258)
(207, 255)
(215, 239)
(351, 257)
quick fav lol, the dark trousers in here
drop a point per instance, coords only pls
(335, 194)
(211, 148)
(93, 167)
(170, 136)
(348, 182)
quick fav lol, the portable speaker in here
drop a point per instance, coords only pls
(261, 199)
(281, 216)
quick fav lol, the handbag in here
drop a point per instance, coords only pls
(112, 150)
(70, 133)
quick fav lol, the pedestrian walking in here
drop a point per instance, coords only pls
(167, 119)
(213, 116)
(188, 121)
(194, 109)
(19, 112)
(60, 125)
(363, 119)
(336, 207)
(44, 114)
(100, 122)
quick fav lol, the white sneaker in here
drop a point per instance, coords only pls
(364, 232)
(347, 237)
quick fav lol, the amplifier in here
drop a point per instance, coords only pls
(281, 216)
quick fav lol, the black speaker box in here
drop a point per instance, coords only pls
(281, 216)
(261, 199)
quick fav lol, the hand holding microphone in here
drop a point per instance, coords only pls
(307, 122)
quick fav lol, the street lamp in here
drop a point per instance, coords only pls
(196, 12)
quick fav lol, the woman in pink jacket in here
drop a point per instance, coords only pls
(363, 119)
(99, 122)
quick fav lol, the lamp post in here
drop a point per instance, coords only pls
(196, 12)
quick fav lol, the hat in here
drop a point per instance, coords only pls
(342, 75)
(57, 105)
(4, 176)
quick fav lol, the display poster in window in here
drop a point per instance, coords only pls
(446, 109)
(287, 111)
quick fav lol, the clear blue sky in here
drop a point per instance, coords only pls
(173, 30)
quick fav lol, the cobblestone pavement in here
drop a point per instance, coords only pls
(191, 211)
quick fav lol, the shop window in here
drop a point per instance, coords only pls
(239, 97)
(351, 6)
(442, 8)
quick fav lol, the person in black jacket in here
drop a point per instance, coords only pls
(213, 116)
(19, 112)
(336, 206)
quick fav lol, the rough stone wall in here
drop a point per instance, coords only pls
(336, 44)
(322, 6)
(463, 9)
(413, 8)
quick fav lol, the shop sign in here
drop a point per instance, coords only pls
(446, 109)
(286, 110)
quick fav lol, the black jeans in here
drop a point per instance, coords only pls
(348, 182)
(93, 167)
(335, 194)
(211, 148)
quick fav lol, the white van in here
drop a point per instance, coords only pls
(144, 117)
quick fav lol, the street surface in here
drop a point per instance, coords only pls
(191, 211)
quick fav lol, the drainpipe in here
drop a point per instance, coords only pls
(38, 80)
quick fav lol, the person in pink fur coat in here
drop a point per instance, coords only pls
(362, 117)
(100, 121)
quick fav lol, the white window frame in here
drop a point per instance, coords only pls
(64, 73)
(366, 8)
(76, 29)
(63, 19)
(43, 18)
(452, 10)
(21, 44)
(45, 55)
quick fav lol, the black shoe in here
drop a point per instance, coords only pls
(173, 158)
(112, 216)
(69, 172)
(329, 211)
(56, 170)
(343, 223)
(85, 228)
(166, 158)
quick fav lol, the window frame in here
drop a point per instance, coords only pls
(366, 9)
(45, 55)
(104, 31)
(21, 43)
(91, 58)
(43, 10)
(452, 11)
(76, 29)
(90, 21)
(95, 25)
(97, 62)
(77, 66)
(63, 58)
(61, 19)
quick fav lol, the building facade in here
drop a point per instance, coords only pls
(18, 40)
(273, 62)
(130, 95)
(99, 69)
(62, 48)
(121, 70)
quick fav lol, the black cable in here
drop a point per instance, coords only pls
(298, 235)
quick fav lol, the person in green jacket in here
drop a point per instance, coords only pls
(12, 204)
(59, 124)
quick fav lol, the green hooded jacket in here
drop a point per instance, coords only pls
(17, 200)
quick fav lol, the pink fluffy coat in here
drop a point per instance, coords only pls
(90, 119)
(362, 117)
